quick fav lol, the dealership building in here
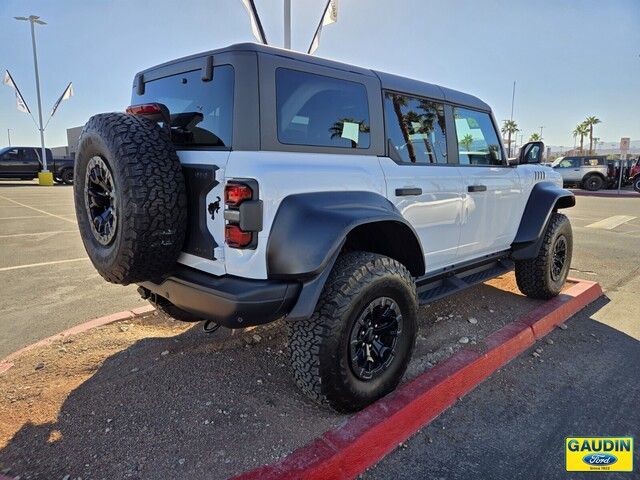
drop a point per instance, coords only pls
(73, 135)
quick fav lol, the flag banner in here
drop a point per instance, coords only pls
(256, 25)
(330, 15)
(20, 103)
(68, 93)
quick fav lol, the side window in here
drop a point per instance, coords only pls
(31, 154)
(10, 155)
(321, 111)
(416, 128)
(568, 162)
(478, 142)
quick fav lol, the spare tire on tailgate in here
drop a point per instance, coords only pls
(130, 198)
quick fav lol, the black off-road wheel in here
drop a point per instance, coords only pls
(356, 346)
(544, 276)
(67, 176)
(592, 182)
(636, 184)
(130, 198)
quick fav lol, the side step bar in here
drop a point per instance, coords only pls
(441, 287)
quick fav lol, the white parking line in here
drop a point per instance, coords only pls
(37, 234)
(38, 210)
(21, 218)
(42, 264)
(611, 222)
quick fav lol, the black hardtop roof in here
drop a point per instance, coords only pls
(387, 80)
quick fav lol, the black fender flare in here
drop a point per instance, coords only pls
(309, 231)
(545, 198)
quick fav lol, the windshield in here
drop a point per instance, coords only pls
(201, 112)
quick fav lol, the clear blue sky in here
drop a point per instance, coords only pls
(570, 58)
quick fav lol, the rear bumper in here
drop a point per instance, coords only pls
(229, 301)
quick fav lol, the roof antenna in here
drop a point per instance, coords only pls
(256, 25)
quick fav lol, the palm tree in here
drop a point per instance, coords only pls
(509, 127)
(590, 122)
(400, 101)
(582, 131)
(535, 137)
(467, 141)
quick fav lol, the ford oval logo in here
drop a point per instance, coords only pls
(600, 459)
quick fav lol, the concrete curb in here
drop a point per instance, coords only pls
(368, 436)
(7, 362)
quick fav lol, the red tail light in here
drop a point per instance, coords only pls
(236, 193)
(145, 109)
(235, 237)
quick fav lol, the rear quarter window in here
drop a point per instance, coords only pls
(318, 110)
(201, 112)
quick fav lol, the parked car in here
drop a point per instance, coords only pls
(24, 163)
(252, 183)
(634, 174)
(590, 172)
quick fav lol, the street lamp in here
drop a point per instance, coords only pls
(9, 135)
(46, 178)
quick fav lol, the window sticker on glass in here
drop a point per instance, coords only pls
(473, 123)
(351, 131)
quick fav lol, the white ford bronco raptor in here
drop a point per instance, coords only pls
(249, 184)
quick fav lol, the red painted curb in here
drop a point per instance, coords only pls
(2, 477)
(7, 362)
(366, 437)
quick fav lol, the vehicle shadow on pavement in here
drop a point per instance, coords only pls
(200, 406)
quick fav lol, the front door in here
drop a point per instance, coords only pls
(492, 190)
(11, 163)
(423, 187)
(569, 168)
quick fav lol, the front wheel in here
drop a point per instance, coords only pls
(544, 276)
(636, 184)
(67, 176)
(356, 346)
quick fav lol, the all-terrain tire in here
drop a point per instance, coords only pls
(636, 184)
(149, 197)
(592, 182)
(535, 277)
(319, 346)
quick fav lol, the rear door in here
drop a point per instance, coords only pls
(492, 193)
(420, 182)
(31, 162)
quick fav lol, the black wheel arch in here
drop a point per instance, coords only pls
(310, 230)
(545, 199)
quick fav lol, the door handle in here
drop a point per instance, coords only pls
(403, 192)
(477, 188)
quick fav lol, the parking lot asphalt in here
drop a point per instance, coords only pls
(584, 383)
(47, 281)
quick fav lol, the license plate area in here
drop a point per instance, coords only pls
(200, 180)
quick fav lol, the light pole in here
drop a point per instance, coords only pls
(33, 19)
(9, 135)
(541, 127)
(287, 24)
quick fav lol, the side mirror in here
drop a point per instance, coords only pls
(531, 152)
(513, 161)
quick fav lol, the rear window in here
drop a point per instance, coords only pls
(201, 112)
(321, 111)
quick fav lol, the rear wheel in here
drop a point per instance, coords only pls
(357, 344)
(636, 184)
(593, 182)
(544, 276)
